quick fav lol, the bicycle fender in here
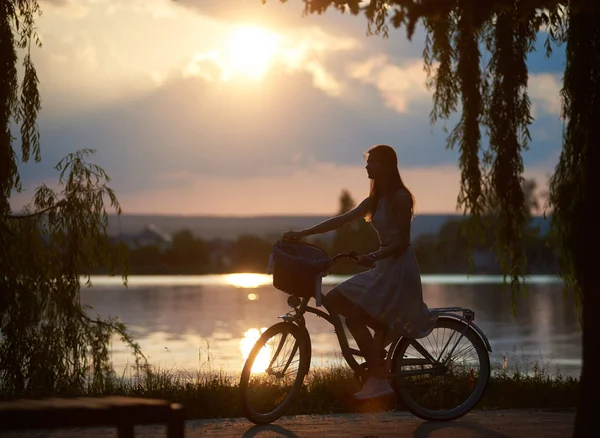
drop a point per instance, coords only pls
(462, 319)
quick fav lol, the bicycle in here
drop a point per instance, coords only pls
(436, 383)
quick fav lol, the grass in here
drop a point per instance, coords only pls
(207, 393)
(519, 383)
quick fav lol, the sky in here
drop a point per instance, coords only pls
(231, 107)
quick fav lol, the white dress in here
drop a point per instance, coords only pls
(391, 291)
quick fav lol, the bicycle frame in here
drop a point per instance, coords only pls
(300, 307)
(297, 316)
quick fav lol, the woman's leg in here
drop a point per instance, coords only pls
(358, 322)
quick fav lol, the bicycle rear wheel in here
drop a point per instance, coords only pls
(274, 372)
(450, 370)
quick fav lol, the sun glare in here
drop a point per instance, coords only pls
(251, 50)
(247, 342)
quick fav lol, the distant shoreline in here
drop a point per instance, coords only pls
(262, 280)
(268, 226)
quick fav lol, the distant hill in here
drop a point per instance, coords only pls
(229, 228)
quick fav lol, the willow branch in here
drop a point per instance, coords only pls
(38, 213)
(116, 328)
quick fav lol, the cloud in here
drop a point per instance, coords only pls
(291, 15)
(175, 128)
(189, 130)
(71, 9)
(544, 92)
(271, 13)
(399, 86)
(311, 190)
(157, 9)
(312, 51)
(206, 66)
(231, 129)
(79, 9)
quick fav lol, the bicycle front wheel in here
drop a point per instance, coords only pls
(441, 377)
(274, 372)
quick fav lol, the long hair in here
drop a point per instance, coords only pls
(391, 183)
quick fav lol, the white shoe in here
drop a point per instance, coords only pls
(374, 388)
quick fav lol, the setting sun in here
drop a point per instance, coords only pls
(250, 51)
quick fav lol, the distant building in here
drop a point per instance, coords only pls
(151, 235)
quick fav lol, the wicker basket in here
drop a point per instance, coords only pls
(298, 266)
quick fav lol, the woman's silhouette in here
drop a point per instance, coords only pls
(388, 297)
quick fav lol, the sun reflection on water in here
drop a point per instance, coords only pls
(247, 342)
(248, 280)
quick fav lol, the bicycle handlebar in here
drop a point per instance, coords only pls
(352, 255)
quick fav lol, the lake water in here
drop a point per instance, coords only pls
(210, 322)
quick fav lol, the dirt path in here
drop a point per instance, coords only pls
(477, 424)
(493, 424)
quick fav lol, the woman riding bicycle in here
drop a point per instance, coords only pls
(389, 295)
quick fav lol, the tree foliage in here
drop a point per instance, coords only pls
(448, 250)
(573, 193)
(490, 96)
(251, 253)
(359, 236)
(17, 32)
(48, 342)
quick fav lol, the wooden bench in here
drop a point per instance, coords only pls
(120, 412)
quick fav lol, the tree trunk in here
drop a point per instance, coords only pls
(589, 400)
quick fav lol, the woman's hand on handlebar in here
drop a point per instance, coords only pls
(366, 260)
(293, 235)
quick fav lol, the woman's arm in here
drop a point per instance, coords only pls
(388, 250)
(339, 221)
